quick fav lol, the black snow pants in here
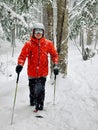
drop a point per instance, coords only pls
(37, 92)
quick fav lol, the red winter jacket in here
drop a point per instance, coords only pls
(37, 53)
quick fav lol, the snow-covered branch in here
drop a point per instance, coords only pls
(14, 14)
(82, 4)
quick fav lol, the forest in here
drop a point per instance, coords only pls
(71, 99)
(64, 20)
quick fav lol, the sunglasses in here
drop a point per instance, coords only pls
(37, 30)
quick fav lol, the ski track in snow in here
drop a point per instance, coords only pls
(76, 101)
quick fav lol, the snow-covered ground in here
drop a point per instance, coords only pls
(76, 104)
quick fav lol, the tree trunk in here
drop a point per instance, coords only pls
(13, 39)
(82, 41)
(62, 33)
(48, 21)
(13, 31)
(96, 39)
(54, 6)
(89, 36)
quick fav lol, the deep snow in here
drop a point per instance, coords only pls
(76, 105)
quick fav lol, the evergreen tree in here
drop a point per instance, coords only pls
(81, 16)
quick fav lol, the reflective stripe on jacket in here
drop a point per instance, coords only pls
(37, 53)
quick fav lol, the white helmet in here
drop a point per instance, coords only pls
(38, 26)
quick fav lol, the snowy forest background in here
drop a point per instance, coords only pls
(73, 26)
(63, 20)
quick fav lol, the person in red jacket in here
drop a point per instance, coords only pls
(36, 50)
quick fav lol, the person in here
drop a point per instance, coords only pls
(36, 50)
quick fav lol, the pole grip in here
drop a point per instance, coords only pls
(55, 77)
(17, 78)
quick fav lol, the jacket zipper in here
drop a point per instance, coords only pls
(37, 68)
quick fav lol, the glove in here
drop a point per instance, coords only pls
(56, 69)
(18, 69)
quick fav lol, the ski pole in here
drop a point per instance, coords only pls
(14, 98)
(54, 89)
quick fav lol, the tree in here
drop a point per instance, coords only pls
(81, 18)
(58, 32)
(62, 34)
(48, 20)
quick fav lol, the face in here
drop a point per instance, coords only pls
(38, 35)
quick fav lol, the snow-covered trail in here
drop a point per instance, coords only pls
(24, 117)
(76, 105)
(71, 111)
